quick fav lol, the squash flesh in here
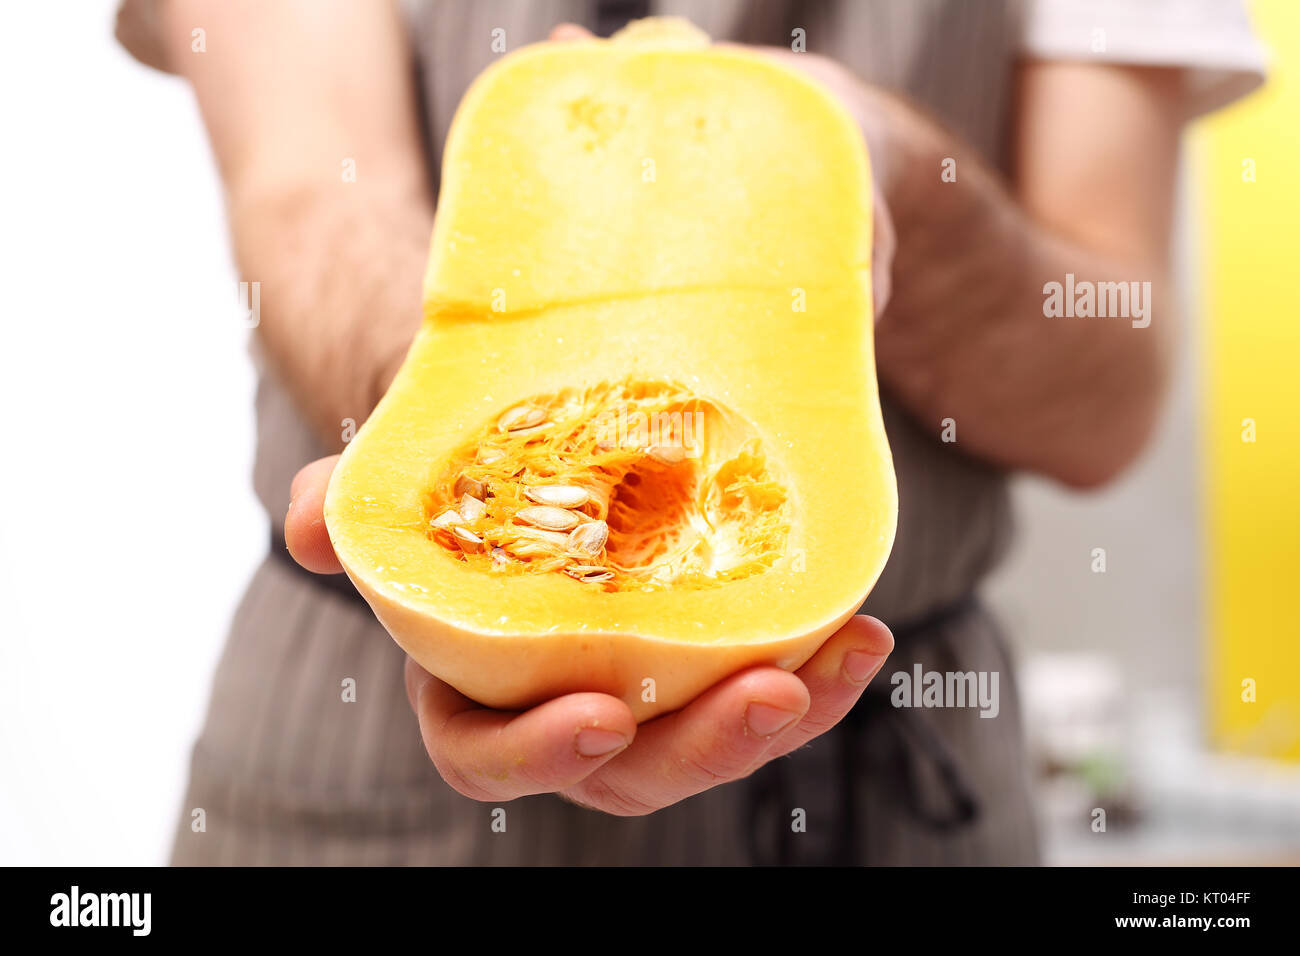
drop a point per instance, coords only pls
(690, 279)
(711, 161)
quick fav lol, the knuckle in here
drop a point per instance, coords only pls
(599, 794)
(713, 769)
(459, 781)
(815, 723)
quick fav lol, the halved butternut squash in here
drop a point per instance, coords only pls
(636, 445)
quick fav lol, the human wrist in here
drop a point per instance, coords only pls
(906, 150)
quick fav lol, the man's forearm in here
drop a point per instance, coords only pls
(293, 93)
(965, 335)
(340, 269)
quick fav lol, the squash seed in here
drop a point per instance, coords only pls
(548, 517)
(532, 430)
(667, 454)
(589, 573)
(520, 417)
(589, 537)
(488, 455)
(465, 485)
(469, 542)
(447, 519)
(555, 539)
(599, 497)
(527, 548)
(471, 508)
(559, 496)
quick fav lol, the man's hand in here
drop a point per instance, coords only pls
(587, 747)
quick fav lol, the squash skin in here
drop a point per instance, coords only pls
(515, 672)
(684, 642)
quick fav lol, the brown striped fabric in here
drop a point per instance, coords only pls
(288, 771)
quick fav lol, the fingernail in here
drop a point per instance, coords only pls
(764, 720)
(860, 665)
(594, 742)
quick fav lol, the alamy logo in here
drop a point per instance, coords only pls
(102, 909)
(947, 689)
(662, 432)
(1105, 300)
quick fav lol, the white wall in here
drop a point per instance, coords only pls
(128, 527)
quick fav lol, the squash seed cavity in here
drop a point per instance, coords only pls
(627, 486)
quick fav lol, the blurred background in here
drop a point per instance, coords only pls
(1164, 688)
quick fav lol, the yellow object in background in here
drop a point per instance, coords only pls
(1248, 161)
